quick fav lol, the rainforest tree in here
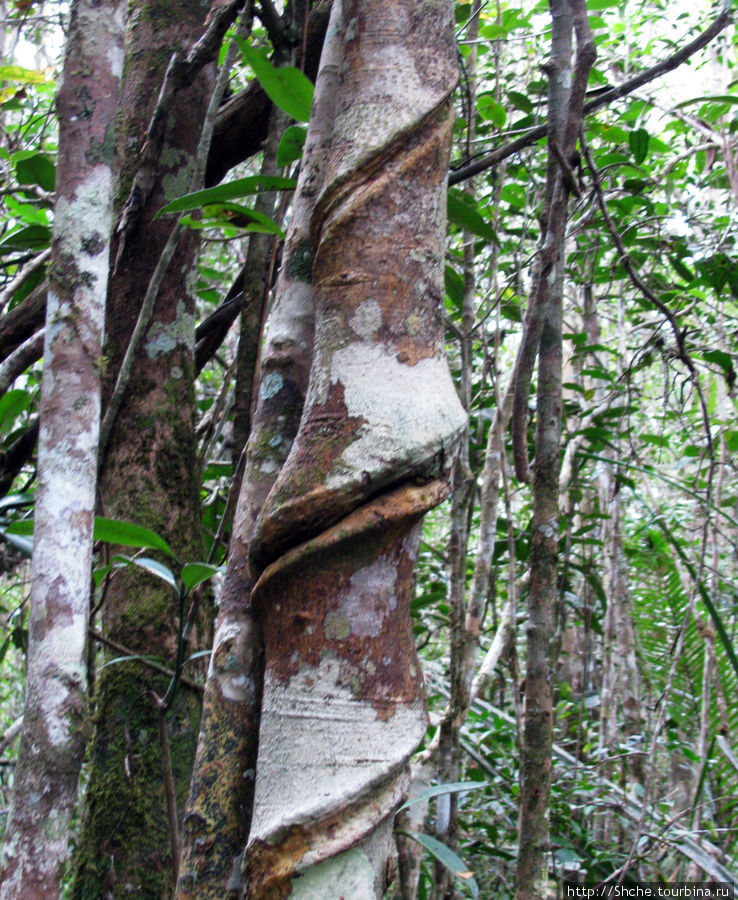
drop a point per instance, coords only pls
(310, 205)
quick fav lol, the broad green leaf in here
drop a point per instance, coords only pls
(195, 573)
(12, 404)
(30, 237)
(449, 859)
(290, 147)
(492, 110)
(37, 169)
(152, 566)
(467, 217)
(22, 527)
(22, 75)
(438, 789)
(638, 141)
(522, 101)
(287, 87)
(127, 534)
(233, 190)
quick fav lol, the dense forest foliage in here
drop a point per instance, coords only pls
(642, 610)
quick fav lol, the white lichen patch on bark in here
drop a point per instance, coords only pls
(316, 726)
(165, 337)
(411, 413)
(367, 319)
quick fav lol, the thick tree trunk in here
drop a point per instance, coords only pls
(342, 705)
(149, 476)
(55, 715)
(218, 813)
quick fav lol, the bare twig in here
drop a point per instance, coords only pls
(22, 277)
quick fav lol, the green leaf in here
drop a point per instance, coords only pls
(195, 573)
(290, 147)
(37, 169)
(521, 101)
(233, 190)
(259, 221)
(638, 141)
(12, 404)
(30, 237)
(438, 789)
(287, 87)
(23, 76)
(127, 534)
(683, 271)
(466, 216)
(454, 284)
(152, 566)
(449, 859)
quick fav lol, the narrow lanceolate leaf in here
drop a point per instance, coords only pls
(453, 862)
(127, 534)
(466, 216)
(152, 566)
(287, 87)
(21, 75)
(234, 190)
(439, 789)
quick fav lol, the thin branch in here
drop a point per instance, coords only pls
(149, 663)
(22, 277)
(627, 87)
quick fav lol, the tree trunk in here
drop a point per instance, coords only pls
(566, 97)
(218, 813)
(335, 546)
(55, 714)
(149, 475)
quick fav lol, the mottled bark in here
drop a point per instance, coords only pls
(218, 813)
(149, 475)
(55, 716)
(342, 705)
(543, 332)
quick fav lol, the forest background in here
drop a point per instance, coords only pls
(629, 597)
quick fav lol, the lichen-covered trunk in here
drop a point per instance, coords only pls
(149, 476)
(335, 545)
(55, 718)
(218, 812)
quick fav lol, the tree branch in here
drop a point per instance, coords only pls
(627, 87)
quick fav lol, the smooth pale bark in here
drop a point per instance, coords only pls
(218, 812)
(335, 545)
(55, 717)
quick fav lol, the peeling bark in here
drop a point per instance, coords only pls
(342, 706)
(218, 813)
(55, 716)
